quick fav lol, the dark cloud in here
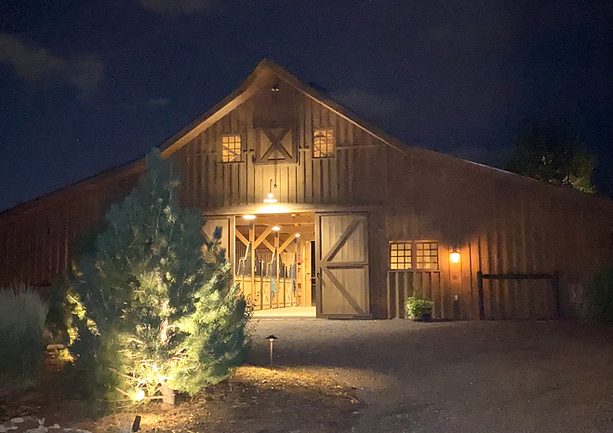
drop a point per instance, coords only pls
(368, 103)
(176, 7)
(36, 65)
(158, 102)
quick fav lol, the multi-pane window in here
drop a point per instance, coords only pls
(231, 148)
(400, 255)
(323, 143)
(414, 255)
(426, 255)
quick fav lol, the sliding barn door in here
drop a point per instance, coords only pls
(342, 265)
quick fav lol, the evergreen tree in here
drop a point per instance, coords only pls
(551, 152)
(162, 314)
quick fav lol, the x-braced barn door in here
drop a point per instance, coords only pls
(341, 242)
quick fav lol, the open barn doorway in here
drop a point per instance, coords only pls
(273, 263)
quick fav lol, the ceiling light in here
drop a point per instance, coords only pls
(276, 228)
(249, 217)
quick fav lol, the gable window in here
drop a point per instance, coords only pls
(323, 143)
(231, 148)
(414, 255)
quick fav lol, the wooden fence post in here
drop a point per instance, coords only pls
(480, 290)
(556, 294)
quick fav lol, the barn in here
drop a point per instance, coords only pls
(319, 208)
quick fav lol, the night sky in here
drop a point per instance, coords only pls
(88, 85)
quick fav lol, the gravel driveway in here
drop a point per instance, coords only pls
(458, 376)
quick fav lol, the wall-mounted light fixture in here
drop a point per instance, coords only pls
(454, 256)
(297, 235)
(270, 198)
(249, 217)
(276, 228)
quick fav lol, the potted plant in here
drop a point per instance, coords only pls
(419, 309)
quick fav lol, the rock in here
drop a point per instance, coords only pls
(55, 426)
(3, 429)
(17, 420)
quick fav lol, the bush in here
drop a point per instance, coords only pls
(598, 297)
(22, 320)
(416, 307)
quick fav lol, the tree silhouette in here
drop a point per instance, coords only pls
(550, 152)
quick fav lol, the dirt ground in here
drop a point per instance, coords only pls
(391, 376)
(256, 399)
(459, 376)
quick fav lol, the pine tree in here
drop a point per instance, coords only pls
(163, 313)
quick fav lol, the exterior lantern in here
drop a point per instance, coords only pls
(454, 256)
(270, 198)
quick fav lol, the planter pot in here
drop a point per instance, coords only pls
(425, 317)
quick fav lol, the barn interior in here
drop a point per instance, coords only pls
(274, 263)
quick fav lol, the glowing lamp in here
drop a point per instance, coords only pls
(249, 217)
(297, 235)
(271, 338)
(276, 228)
(140, 395)
(454, 256)
(270, 198)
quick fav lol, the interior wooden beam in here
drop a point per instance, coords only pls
(262, 237)
(288, 241)
(242, 238)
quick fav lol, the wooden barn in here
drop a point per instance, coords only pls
(317, 207)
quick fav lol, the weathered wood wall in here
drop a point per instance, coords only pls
(38, 238)
(350, 178)
(500, 222)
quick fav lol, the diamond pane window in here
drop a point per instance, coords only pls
(231, 148)
(323, 143)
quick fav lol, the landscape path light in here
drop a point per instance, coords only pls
(271, 338)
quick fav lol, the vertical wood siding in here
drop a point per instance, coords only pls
(499, 222)
(36, 244)
(347, 179)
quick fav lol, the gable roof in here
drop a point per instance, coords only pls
(260, 76)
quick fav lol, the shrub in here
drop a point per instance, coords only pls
(416, 307)
(22, 320)
(598, 296)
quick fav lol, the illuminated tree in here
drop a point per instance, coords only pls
(164, 315)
